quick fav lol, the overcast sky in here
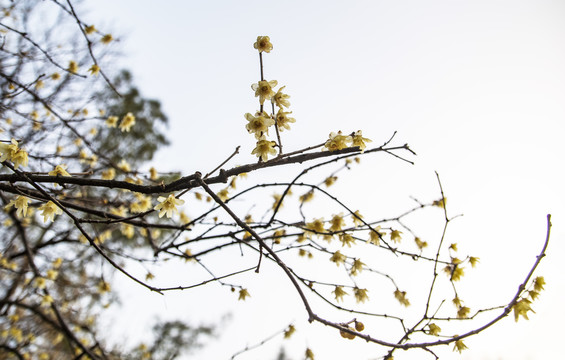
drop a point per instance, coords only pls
(477, 88)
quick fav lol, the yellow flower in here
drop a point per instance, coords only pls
(330, 180)
(127, 122)
(46, 300)
(395, 235)
(73, 67)
(289, 331)
(106, 39)
(309, 354)
(339, 293)
(223, 194)
(539, 282)
(20, 203)
(277, 198)
(94, 69)
(337, 141)
(243, 293)
(375, 235)
(103, 287)
(283, 120)
(401, 297)
(459, 346)
(124, 166)
(420, 244)
(434, 329)
(112, 121)
(317, 226)
(337, 222)
(89, 29)
(307, 196)
(263, 43)
(360, 294)
(281, 99)
(49, 211)
(13, 153)
(338, 258)
(521, 308)
(440, 203)
(359, 140)
(168, 205)
(60, 170)
(259, 124)
(473, 260)
(357, 267)
(463, 312)
(264, 90)
(109, 174)
(264, 148)
(142, 204)
(55, 76)
(153, 175)
(346, 239)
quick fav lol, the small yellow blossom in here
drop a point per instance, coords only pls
(375, 235)
(243, 293)
(60, 170)
(281, 99)
(459, 346)
(106, 39)
(55, 76)
(94, 69)
(89, 29)
(223, 194)
(168, 205)
(263, 44)
(283, 121)
(463, 312)
(330, 180)
(73, 67)
(49, 211)
(317, 226)
(264, 90)
(52, 274)
(127, 122)
(39, 283)
(277, 201)
(264, 148)
(109, 174)
(339, 293)
(521, 308)
(346, 239)
(401, 297)
(112, 121)
(11, 152)
(539, 282)
(124, 166)
(39, 84)
(20, 203)
(440, 203)
(103, 287)
(337, 222)
(357, 267)
(153, 175)
(259, 124)
(473, 261)
(307, 196)
(395, 236)
(338, 258)
(420, 244)
(46, 300)
(360, 294)
(433, 329)
(359, 140)
(337, 141)
(309, 354)
(357, 218)
(289, 331)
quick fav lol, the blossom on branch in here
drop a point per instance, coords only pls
(168, 205)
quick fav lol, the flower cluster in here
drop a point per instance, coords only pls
(260, 123)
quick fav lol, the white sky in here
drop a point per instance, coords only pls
(477, 88)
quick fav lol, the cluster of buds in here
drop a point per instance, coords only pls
(359, 326)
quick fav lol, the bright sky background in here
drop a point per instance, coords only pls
(477, 88)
